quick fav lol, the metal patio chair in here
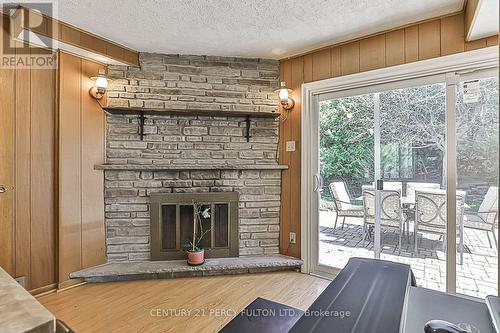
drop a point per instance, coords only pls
(412, 187)
(391, 214)
(342, 203)
(487, 215)
(430, 216)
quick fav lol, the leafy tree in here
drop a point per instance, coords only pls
(346, 138)
(415, 119)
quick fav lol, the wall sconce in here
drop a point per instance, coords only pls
(284, 93)
(101, 84)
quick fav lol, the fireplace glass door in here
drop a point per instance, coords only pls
(172, 224)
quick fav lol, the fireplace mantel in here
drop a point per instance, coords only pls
(155, 167)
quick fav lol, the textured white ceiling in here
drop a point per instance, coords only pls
(258, 28)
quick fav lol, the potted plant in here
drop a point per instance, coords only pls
(195, 251)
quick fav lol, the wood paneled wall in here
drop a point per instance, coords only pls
(28, 171)
(7, 110)
(69, 34)
(420, 41)
(81, 145)
(35, 184)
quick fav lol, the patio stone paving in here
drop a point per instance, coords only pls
(476, 277)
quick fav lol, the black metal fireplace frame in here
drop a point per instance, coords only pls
(157, 200)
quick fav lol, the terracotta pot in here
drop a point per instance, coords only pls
(196, 258)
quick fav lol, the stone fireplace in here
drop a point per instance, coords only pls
(192, 153)
(172, 224)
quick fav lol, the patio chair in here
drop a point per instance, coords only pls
(412, 187)
(391, 214)
(395, 186)
(430, 215)
(342, 203)
(487, 215)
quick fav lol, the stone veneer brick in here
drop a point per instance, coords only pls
(192, 82)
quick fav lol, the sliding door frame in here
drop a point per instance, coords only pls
(443, 69)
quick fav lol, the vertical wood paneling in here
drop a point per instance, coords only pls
(23, 175)
(33, 217)
(395, 48)
(42, 178)
(321, 65)
(335, 62)
(308, 68)
(452, 34)
(93, 124)
(7, 123)
(429, 40)
(372, 53)
(476, 44)
(81, 201)
(65, 33)
(114, 51)
(69, 35)
(492, 41)
(27, 130)
(421, 41)
(295, 172)
(7, 170)
(292, 71)
(411, 44)
(70, 208)
(349, 58)
(90, 42)
(284, 158)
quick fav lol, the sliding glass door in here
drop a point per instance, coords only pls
(477, 180)
(396, 136)
(412, 159)
(346, 155)
(407, 171)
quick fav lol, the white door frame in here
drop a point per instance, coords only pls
(365, 82)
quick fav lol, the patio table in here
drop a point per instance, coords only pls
(410, 200)
(408, 205)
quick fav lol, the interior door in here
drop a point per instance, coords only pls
(6, 169)
(28, 176)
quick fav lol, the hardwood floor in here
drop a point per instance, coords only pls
(202, 304)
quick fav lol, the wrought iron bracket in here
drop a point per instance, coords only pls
(247, 134)
(141, 119)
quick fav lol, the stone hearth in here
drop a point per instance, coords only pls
(121, 271)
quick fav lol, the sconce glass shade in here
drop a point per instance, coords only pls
(101, 84)
(284, 95)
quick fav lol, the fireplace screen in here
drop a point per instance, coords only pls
(172, 224)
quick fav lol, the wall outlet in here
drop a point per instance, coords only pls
(21, 280)
(293, 238)
(290, 146)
